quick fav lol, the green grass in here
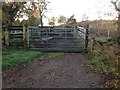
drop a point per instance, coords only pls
(97, 61)
(11, 58)
(52, 55)
(101, 38)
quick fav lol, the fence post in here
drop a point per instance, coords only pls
(7, 36)
(24, 36)
(28, 37)
(3, 35)
(108, 33)
(86, 37)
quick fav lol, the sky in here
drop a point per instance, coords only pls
(90, 8)
(93, 9)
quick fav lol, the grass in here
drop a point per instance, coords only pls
(11, 58)
(52, 55)
(102, 38)
(97, 60)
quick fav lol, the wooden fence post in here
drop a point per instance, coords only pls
(86, 37)
(3, 36)
(24, 36)
(7, 36)
(28, 44)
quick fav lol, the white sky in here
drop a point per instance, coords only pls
(81, 7)
(93, 9)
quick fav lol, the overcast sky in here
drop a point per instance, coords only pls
(90, 8)
(93, 9)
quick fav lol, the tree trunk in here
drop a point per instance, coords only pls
(41, 21)
(119, 24)
(118, 34)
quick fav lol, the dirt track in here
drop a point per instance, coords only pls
(69, 71)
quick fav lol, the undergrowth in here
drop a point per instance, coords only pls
(105, 60)
(98, 60)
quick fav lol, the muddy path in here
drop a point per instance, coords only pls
(68, 71)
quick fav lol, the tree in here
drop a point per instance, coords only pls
(41, 7)
(52, 21)
(35, 10)
(71, 21)
(115, 3)
(62, 19)
(9, 11)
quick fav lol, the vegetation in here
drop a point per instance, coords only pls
(40, 6)
(13, 11)
(9, 11)
(118, 22)
(55, 55)
(14, 57)
(52, 21)
(71, 21)
(62, 19)
(98, 60)
(105, 59)
(101, 38)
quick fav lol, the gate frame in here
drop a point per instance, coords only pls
(86, 35)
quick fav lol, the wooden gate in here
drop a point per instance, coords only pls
(56, 39)
(14, 36)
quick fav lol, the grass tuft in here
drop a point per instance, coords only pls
(55, 55)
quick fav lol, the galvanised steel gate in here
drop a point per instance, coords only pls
(56, 39)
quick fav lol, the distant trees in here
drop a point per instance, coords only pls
(72, 21)
(62, 19)
(52, 21)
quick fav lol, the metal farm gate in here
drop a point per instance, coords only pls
(56, 39)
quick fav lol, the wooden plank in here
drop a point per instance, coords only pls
(57, 50)
(15, 28)
(16, 36)
(46, 38)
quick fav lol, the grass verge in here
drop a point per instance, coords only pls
(101, 62)
(11, 58)
(97, 61)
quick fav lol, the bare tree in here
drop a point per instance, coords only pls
(41, 7)
(117, 9)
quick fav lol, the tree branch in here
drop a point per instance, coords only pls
(114, 3)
